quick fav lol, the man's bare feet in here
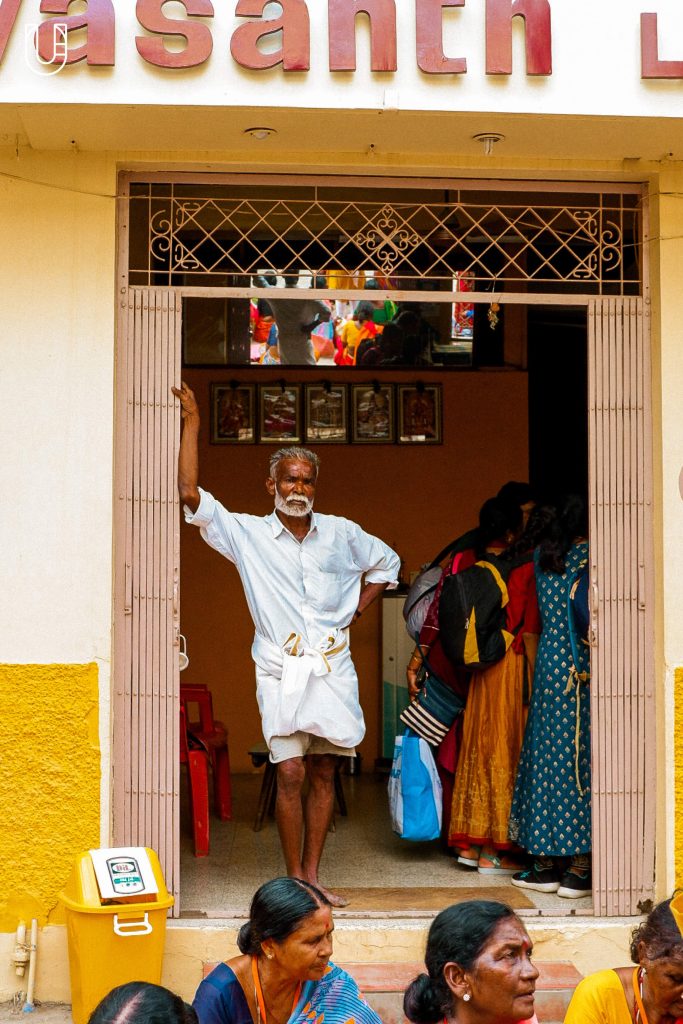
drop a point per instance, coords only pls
(333, 897)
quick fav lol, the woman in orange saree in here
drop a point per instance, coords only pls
(493, 723)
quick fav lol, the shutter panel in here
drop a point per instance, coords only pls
(146, 675)
(622, 612)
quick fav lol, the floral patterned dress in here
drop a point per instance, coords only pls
(551, 808)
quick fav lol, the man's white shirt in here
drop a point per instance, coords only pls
(301, 595)
(308, 587)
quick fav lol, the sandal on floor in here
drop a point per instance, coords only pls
(470, 856)
(492, 864)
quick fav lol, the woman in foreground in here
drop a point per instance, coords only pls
(139, 1002)
(649, 993)
(284, 973)
(479, 969)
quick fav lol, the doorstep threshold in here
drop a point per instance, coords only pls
(392, 917)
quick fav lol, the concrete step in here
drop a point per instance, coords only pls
(383, 985)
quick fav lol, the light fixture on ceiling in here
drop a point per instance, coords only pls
(488, 140)
(260, 133)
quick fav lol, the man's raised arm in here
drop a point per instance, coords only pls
(188, 460)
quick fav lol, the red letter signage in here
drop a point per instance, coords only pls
(651, 65)
(197, 36)
(99, 21)
(8, 15)
(429, 25)
(295, 54)
(342, 26)
(499, 15)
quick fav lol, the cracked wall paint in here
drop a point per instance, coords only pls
(678, 772)
(49, 784)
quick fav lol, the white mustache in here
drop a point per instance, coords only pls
(294, 505)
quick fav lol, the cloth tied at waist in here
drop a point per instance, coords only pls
(301, 688)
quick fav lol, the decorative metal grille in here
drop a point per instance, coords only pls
(535, 241)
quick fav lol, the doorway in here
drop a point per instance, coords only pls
(147, 785)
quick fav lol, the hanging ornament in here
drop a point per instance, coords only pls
(493, 315)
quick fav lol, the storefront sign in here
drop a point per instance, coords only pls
(294, 53)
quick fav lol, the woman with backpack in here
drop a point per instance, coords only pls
(493, 722)
(551, 807)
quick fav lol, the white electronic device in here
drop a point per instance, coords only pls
(124, 872)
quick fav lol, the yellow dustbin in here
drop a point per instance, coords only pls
(116, 903)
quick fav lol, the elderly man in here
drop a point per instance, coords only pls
(302, 574)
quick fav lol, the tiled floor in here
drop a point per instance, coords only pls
(363, 851)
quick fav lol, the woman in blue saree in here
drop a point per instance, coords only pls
(284, 974)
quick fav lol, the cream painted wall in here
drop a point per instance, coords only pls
(57, 254)
(669, 462)
(588, 77)
(57, 250)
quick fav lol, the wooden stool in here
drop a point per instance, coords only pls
(266, 801)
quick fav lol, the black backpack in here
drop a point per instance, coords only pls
(423, 587)
(472, 621)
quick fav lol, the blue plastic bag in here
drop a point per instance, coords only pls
(415, 796)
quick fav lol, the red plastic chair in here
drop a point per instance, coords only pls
(197, 761)
(213, 735)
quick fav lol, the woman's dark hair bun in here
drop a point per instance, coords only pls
(422, 1003)
(244, 940)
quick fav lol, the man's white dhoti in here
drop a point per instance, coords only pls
(308, 689)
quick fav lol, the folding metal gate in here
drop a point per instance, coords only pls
(146, 679)
(621, 557)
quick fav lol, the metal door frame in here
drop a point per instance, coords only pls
(611, 894)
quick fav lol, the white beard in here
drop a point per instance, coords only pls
(292, 506)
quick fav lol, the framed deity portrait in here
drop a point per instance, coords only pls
(419, 414)
(326, 418)
(372, 413)
(233, 414)
(280, 413)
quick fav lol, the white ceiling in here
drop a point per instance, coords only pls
(342, 135)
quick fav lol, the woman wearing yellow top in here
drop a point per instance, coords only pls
(651, 992)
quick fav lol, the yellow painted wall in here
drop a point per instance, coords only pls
(49, 783)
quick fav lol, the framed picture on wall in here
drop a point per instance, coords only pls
(280, 413)
(372, 413)
(326, 407)
(233, 414)
(419, 414)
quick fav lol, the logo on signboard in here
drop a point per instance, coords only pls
(50, 58)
